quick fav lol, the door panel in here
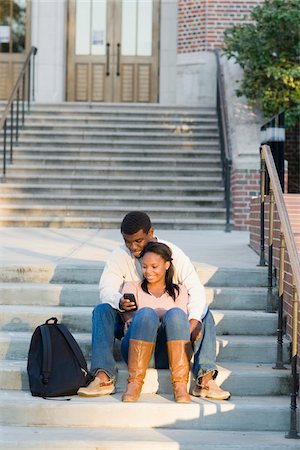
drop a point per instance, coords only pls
(116, 59)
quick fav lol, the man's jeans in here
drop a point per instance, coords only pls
(103, 325)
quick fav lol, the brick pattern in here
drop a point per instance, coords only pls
(244, 186)
(201, 23)
(255, 245)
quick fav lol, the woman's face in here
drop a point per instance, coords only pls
(154, 267)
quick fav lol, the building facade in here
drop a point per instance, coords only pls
(147, 51)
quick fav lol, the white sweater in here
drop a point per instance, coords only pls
(122, 267)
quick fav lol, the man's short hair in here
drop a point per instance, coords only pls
(136, 221)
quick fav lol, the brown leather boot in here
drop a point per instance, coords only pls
(138, 360)
(179, 353)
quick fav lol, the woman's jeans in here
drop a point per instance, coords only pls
(103, 326)
(146, 326)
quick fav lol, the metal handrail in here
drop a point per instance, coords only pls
(283, 214)
(287, 241)
(15, 96)
(226, 152)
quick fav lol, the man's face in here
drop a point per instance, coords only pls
(136, 242)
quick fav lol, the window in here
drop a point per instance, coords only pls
(12, 26)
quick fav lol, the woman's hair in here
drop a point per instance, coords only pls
(134, 222)
(166, 253)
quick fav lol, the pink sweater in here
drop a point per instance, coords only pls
(160, 304)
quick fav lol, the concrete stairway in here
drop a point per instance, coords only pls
(256, 416)
(86, 165)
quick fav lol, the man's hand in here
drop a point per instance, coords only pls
(126, 305)
(195, 330)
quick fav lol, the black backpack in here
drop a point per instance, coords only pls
(56, 365)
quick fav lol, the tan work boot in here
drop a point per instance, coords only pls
(101, 385)
(179, 353)
(139, 356)
(210, 390)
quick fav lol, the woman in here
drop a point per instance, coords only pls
(161, 304)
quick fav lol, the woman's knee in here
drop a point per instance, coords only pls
(176, 316)
(147, 315)
(176, 324)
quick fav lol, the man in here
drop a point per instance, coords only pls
(124, 265)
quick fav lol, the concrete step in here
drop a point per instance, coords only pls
(42, 438)
(239, 379)
(78, 319)
(240, 413)
(110, 119)
(113, 171)
(233, 349)
(98, 134)
(138, 179)
(90, 272)
(167, 212)
(119, 109)
(107, 222)
(125, 143)
(110, 191)
(88, 295)
(133, 200)
(118, 161)
(94, 124)
(200, 151)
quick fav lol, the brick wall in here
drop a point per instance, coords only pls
(244, 186)
(255, 244)
(201, 23)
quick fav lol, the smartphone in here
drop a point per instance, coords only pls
(131, 297)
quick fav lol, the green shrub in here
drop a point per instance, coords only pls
(268, 50)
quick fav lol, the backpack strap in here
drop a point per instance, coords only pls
(47, 353)
(73, 344)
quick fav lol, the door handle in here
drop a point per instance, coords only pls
(118, 58)
(107, 58)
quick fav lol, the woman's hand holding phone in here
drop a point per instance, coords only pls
(128, 302)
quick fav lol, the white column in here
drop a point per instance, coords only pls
(168, 52)
(49, 36)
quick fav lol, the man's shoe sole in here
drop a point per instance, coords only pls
(99, 394)
(198, 394)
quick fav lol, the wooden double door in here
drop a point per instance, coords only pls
(113, 50)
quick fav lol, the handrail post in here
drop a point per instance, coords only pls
(293, 433)
(33, 74)
(23, 99)
(227, 193)
(270, 307)
(279, 361)
(17, 123)
(28, 88)
(262, 261)
(11, 131)
(4, 149)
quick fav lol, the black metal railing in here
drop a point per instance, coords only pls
(226, 152)
(287, 246)
(13, 116)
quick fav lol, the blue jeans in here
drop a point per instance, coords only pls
(146, 326)
(103, 325)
